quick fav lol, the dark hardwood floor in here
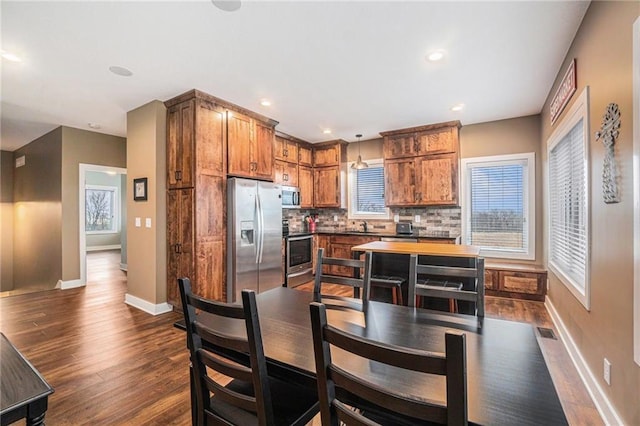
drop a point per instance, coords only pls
(112, 364)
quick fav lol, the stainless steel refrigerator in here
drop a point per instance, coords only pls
(254, 236)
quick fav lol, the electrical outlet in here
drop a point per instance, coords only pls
(335, 217)
(416, 219)
(607, 371)
(396, 218)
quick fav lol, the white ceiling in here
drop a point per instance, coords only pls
(352, 66)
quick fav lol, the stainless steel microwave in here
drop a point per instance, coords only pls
(290, 197)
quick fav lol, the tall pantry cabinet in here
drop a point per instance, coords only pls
(196, 195)
(207, 139)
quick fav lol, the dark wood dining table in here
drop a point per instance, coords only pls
(508, 380)
(24, 394)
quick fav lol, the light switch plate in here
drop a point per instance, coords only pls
(147, 222)
(138, 222)
(396, 218)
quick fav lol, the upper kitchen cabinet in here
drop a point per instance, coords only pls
(330, 174)
(250, 146)
(305, 155)
(305, 183)
(286, 149)
(421, 165)
(285, 173)
(196, 140)
(329, 154)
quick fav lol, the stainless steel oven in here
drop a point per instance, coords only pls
(299, 252)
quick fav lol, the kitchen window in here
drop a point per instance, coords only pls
(101, 209)
(568, 154)
(366, 192)
(499, 205)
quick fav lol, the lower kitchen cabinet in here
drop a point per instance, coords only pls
(518, 281)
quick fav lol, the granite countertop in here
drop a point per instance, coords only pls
(420, 234)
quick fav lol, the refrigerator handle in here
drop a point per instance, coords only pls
(260, 241)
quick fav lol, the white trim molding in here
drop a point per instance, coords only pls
(148, 307)
(66, 285)
(602, 403)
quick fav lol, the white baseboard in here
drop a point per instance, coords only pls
(66, 285)
(602, 403)
(148, 307)
(100, 248)
(123, 267)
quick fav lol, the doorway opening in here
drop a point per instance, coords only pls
(102, 224)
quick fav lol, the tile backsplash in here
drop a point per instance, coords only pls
(432, 219)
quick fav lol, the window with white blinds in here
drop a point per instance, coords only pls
(569, 202)
(498, 209)
(366, 189)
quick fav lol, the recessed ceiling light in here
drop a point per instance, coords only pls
(93, 125)
(436, 55)
(265, 102)
(11, 56)
(120, 71)
(227, 5)
(458, 107)
(327, 131)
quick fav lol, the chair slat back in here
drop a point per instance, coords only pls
(233, 351)
(361, 278)
(473, 274)
(338, 389)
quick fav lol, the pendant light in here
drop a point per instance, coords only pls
(359, 164)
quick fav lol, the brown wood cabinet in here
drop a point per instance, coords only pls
(305, 155)
(286, 149)
(326, 189)
(305, 183)
(250, 147)
(286, 173)
(520, 281)
(196, 215)
(329, 174)
(322, 241)
(421, 165)
(328, 154)
(340, 246)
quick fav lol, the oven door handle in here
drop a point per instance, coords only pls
(297, 274)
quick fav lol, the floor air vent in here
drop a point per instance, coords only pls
(547, 333)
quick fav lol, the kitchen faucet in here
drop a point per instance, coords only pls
(364, 226)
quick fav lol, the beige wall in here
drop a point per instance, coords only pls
(6, 220)
(37, 231)
(146, 157)
(513, 136)
(81, 146)
(603, 52)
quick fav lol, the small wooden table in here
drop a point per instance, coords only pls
(23, 391)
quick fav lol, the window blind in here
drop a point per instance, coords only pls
(370, 190)
(498, 216)
(568, 209)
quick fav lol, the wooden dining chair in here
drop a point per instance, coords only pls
(360, 279)
(251, 397)
(347, 398)
(448, 282)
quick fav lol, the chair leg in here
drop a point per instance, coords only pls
(453, 305)
(398, 290)
(394, 295)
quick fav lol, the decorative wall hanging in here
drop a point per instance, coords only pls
(140, 189)
(566, 89)
(608, 133)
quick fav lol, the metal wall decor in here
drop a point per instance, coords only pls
(608, 132)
